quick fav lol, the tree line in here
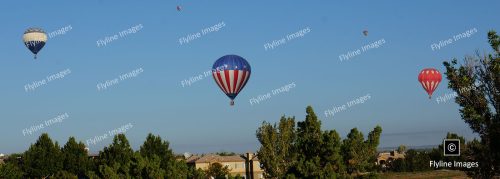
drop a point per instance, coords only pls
(303, 150)
(46, 159)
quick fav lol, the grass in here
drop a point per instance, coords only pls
(453, 174)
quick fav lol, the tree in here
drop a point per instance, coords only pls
(353, 150)
(43, 158)
(371, 145)
(398, 165)
(10, 171)
(309, 142)
(401, 148)
(61, 174)
(331, 157)
(75, 158)
(116, 157)
(309, 152)
(108, 172)
(155, 146)
(152, 168)
(276, 153)
(477, 84)
(216, 170)
(360, 155)
(224, 153)
(196, 173)
(417, 160)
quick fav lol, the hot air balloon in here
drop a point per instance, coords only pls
(231, 73)
(179, 8)
(365, 32)
(430, 79)
(34, 39)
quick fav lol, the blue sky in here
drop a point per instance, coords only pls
(197, 118)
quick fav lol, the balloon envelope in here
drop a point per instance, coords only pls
(365, 32)
(430, 79)
(231, 74)
(34, 39)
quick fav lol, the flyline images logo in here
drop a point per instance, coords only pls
(451, 147)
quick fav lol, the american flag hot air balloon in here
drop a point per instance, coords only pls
(430, 79)
(231, 73)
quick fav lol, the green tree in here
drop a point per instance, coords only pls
(224, 153)
(276, 153)
(153, 169)
(353, 149)
(117, 156)
(360, 155)
(371, 145)
(417, 160)
(196, 173)
(42, 159)
(155, 146)
(216, 170)
(399, 165)
(109, 172)
(10, 171)
(75, 158)
(309, 142)
(477, 84)
(61, 174)
(401, 148)
(92, 175)
(331, 156)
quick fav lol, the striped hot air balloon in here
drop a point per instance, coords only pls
(231, 73)
(34, 39)
(430, 79)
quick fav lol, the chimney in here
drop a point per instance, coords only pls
(249, 156)
(249, 165)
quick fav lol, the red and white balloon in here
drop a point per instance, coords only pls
(430, 79)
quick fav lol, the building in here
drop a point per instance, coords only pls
(384, 158)
(247, 165)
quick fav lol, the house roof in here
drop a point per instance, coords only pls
(217, 158)
(192, 159)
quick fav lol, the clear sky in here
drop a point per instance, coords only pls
(198, 118)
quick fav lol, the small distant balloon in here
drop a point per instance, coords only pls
(365, 32)
(179, 8)
(34, 39)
